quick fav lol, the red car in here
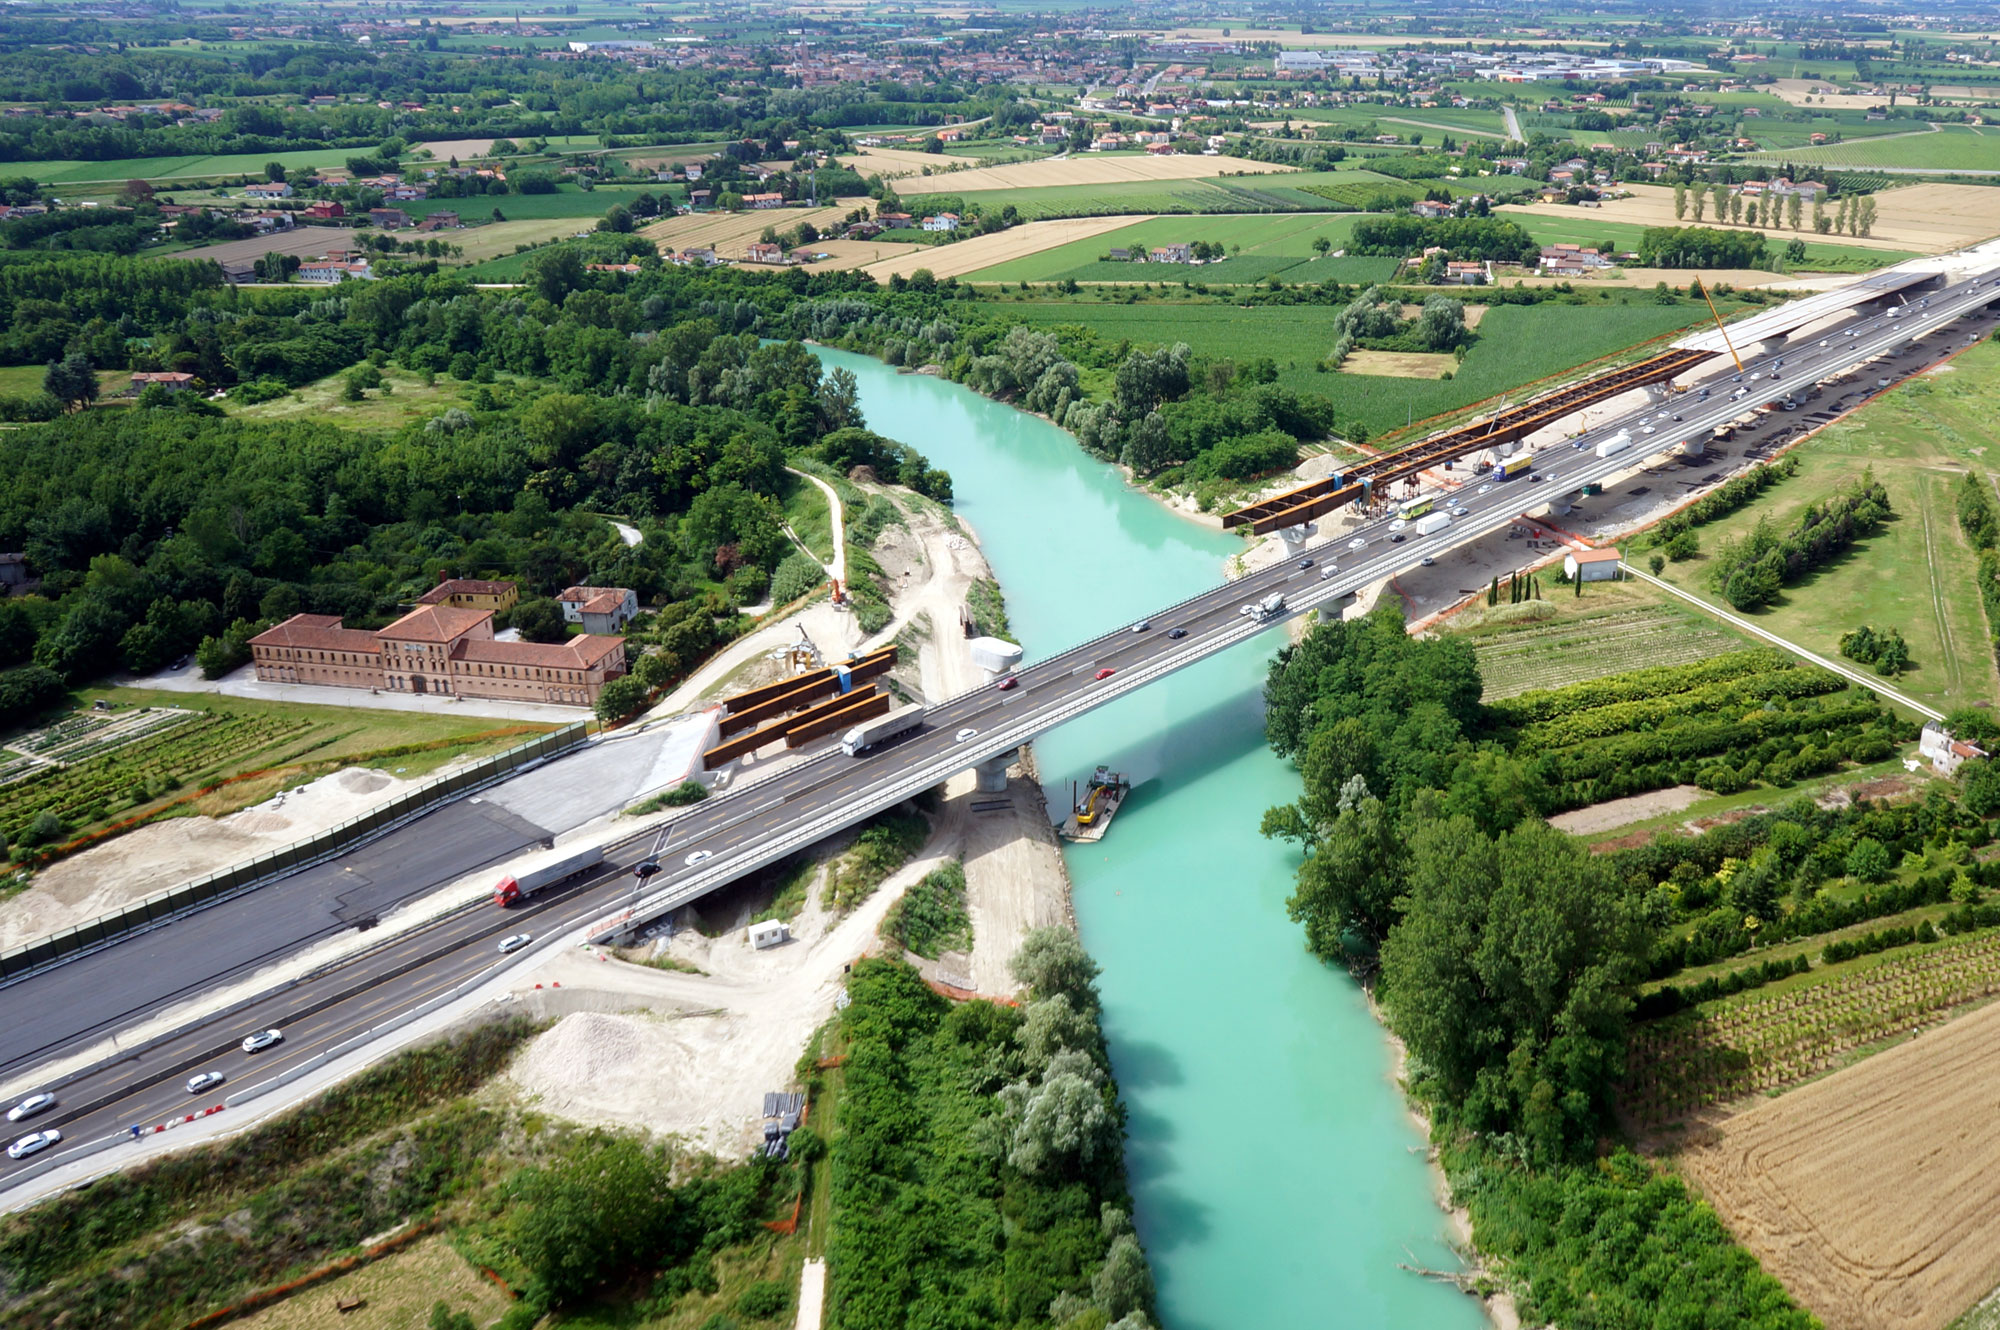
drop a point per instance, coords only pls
(1106, 673)
(1009, 682)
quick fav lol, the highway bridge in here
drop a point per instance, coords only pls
(727, 837)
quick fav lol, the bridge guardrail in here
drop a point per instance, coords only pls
(176, 902)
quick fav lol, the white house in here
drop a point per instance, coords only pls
(1591, 565)
(944, 221)
(1945, 753)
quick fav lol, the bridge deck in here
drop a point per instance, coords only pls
(1344, 487)
(1796, 314)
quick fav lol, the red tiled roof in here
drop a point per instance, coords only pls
(318, 632)
(434, 623)
(1595, 556)
(583, 595)
(463, 586)
(605, 602)
(578, 653)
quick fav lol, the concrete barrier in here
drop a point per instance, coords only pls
(56, 1161)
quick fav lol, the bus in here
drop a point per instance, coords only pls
(1415, 508)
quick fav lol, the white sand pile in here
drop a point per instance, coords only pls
(701, 1078)
(165, 854)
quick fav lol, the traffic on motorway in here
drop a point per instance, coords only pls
(723, 838)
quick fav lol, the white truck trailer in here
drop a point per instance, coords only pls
(1617, 443)
(513, 888)
(1432, 523)
(881, 730)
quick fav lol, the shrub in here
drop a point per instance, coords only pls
(764, 1300)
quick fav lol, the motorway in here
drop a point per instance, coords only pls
(727, 837)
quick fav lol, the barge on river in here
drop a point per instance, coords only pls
(1091, 812)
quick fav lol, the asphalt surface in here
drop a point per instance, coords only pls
(731, 835)
(177, 960)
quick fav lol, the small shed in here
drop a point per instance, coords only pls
(769, 933)
(1591, 565)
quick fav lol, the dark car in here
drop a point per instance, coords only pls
(1177, 632)
(1398, 538)
(1305, 563)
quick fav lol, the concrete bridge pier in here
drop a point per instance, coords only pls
(1562, 503)
(1694, 447)
(993, 774)
(1295, 537)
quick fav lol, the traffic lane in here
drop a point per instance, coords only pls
(152, 1081)
(143, 973)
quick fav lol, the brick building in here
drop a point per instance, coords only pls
(437, 649)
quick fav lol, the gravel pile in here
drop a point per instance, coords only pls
(585, 1048)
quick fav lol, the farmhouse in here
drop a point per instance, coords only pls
(599, 609)
(465, 593)
(1591, 565)
(389, 219)
(171, 380)
(1945, 753)
(763, 200)
(437, 649)
(944, 221)
(764, 252)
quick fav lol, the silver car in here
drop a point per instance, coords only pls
(514, 942)
(34, 1143)
(262, 1040)
(204, 1080)
(33, 1104)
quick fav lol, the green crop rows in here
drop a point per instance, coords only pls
(1948, 148)
(1689, 1063)
(136, 773)
(1549, 655)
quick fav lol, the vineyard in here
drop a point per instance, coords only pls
(118, 766)
(1680, 1066)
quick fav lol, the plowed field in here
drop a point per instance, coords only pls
(1082, 169)
(1873, 1194)
(966, 256)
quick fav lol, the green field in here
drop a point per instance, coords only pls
(1270, 244)
(204, 167)
(1263, 192)
(1517, 344)
(1580, 226)
(569, 202)
(1430, 122)
(1942, 148)
(1613, 627)
(1918, 575)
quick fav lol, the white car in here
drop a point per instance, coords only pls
(1399, 524)
(514, 942)
(697, 857)
(1328, 570)
(1484, 488)
(204, 1080)
(1356, 543)
(33, 1104)
(1460, 511)
(262, 1040)
(34, 1143)
(963, 735)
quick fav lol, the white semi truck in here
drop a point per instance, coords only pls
(871, 733)
(1617, 443)
(1432, 523)
(513, 888)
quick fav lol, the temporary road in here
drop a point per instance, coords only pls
(727, 837)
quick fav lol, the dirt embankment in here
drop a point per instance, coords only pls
(1873, 1194)
(126, 868)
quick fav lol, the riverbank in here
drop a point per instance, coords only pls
(1230, 1044)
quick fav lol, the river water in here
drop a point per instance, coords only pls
(1278, 1180)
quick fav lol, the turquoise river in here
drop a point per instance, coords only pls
(1278, 1178)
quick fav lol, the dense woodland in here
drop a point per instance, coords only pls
(168, 525)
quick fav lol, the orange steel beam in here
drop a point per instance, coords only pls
(1324, 496)
(821, 722)
(864, 667)
(732, 749)
(804, 688)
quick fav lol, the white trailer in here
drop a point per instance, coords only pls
(518, 887)
(1617, 443)
(881, 730)
(1432, 523)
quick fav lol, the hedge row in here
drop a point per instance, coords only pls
(1732, 495)
(1699, 738)
(1543, 704)
(1670, 999)
(1787, 684)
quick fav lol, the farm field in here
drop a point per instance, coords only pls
(1269, 244)
(1517, 344)
(1087, 169)
(305, 241)
(1612, 628)
(729, 233)
(1263, 193)
(26, 380)
(896, 163)
(180, 168)
(1400, 364)
(965, 257)
(861, 253)
(1873, 1194)
(1558, 225)
(1929, 218)
(1919, 575)
(219, 737)
(569, 203)
(1941, 148)
(1431, 121)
